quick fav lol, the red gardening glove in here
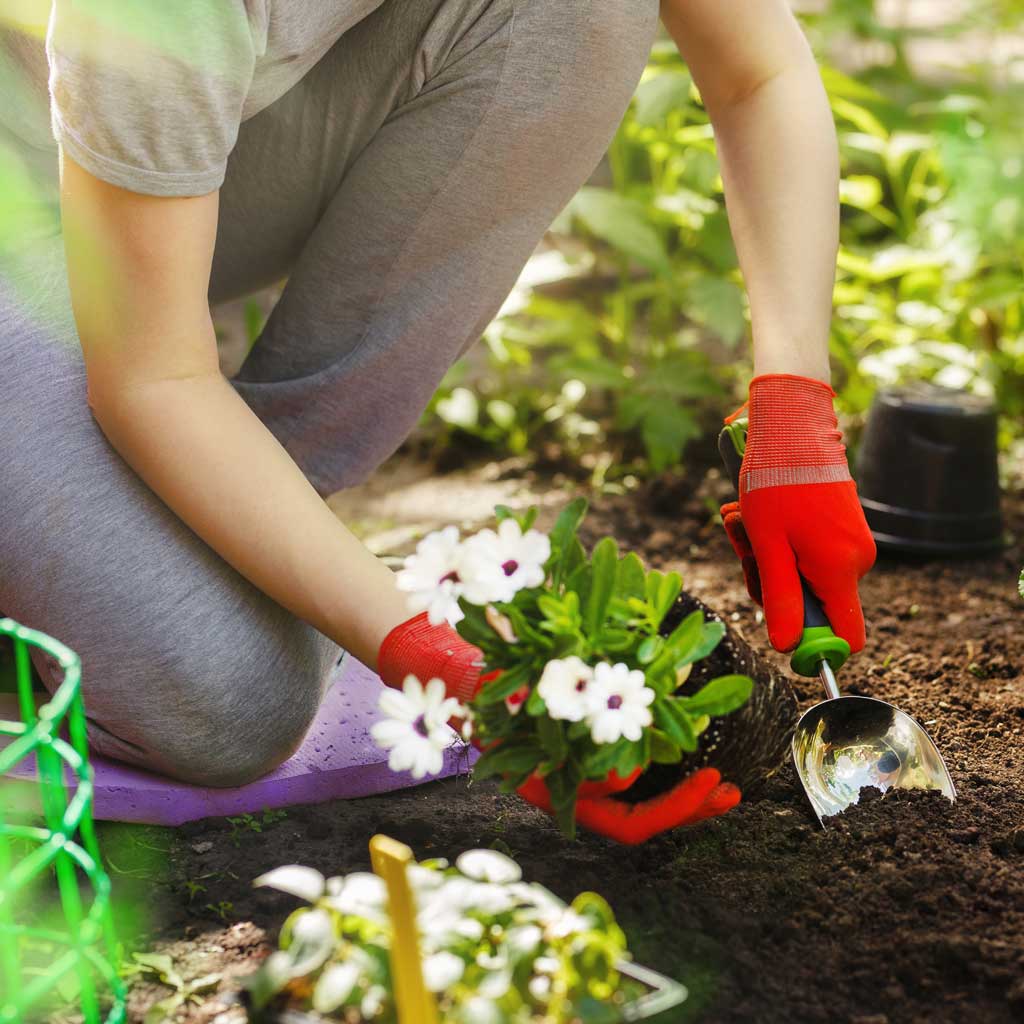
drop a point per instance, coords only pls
(415, 647)
(732, 520)
(700, 795)
(798, 512)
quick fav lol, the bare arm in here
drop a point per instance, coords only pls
(139, 269)
(780, 167)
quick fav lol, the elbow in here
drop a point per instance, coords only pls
(738, 85)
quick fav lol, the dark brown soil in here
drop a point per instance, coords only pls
(906, 909)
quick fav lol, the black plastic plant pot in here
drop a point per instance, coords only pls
(927, 472)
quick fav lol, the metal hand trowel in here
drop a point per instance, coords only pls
(845, 743)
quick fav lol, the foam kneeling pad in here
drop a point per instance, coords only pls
(338, 759)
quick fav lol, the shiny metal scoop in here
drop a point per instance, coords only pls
(846, 743)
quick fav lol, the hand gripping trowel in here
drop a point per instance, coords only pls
(845, 743)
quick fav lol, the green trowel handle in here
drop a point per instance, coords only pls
(818, 642)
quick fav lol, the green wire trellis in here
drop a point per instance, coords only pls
(86, 947)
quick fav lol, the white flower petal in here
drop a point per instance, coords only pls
(442, 970)
(488, 866)
(306, 883)
(334, 986)
(390, 733)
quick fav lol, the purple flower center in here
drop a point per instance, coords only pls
(615, 702)
(420, 726)
(452, 576)
(581, 685)
(509, 567)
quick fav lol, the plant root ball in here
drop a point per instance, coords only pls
(747, 746)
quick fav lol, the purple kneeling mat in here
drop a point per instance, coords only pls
(337, 760)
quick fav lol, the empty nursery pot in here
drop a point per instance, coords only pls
(927, 472)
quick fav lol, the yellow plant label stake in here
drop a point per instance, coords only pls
(414, 1002)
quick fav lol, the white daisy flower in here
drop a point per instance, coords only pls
(431, 577)
(442, 970)
(539, 987)
(416, 730)
(518, 557)
(361, 894)
(567, 923)
(488, 866)
(620, 703)
(565, 685)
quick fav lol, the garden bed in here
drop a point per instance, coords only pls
(908, 909)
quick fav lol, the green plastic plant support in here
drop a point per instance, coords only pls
(81, 953)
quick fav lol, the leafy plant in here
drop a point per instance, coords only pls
(494, 948)
(625, 338)
(242, 823)
(604, 609)
(184, 992)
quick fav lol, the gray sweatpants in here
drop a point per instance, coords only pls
(400, 187)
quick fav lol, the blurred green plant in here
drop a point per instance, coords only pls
(626, 340)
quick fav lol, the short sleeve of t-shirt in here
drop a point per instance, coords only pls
(148, 95)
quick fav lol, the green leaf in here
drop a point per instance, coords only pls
(624, 224)
(566, 551)
(162, 965)
(674, 720)
(561, 614)
(603, 758)
(684, 638)
(562, 786)
(661, 95)
(662, 591)
(510, 680)
(524, 629)
(634, 755)
(508, 758)
(716, 244)
(535, 704)
(552, 738)
(861, 191)
(580, 581)
(617, 640)
(604, 564)
(663, 750)
(718, 303)
(474, 628)
(666, 427)
(711, 637)
(630, 576)
(649, 649)
(162, 1011)
(568, 522)
(720, 696)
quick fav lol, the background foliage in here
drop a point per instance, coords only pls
(628, 335)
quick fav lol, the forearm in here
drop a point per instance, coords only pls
(780, 168)
(196, 443)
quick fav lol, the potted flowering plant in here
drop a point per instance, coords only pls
(494, 950)
(581, 683)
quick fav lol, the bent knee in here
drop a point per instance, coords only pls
(229, 710)
(225, 747)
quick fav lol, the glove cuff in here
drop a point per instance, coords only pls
(793, 435)
(415, 647)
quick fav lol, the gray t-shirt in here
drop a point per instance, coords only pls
(149, 94)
